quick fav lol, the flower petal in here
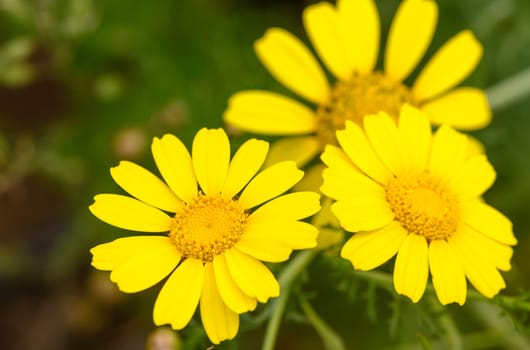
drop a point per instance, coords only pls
(344, 184)
(464, 108)
(145, 186)
(220, 323)
(449, 150)
(382, 133)
(485, 247)
(481, 273)
(265, 249)
(270, 183)
(414, 138)
(129, 213)
(412, 267)
(321, 23)
(360, 32)
(410, 35)
(488, 221)
(363, 213)
(110, 255)
(146, 269)
(230, 292)
(293, 234)
(210, 157)
(292, 64)
(368, 250)
(301, 150)
(269, 113)
(174, 163)
(246, 162)
(292, 206)
(449, 66)
(334, 157)
(448, 275)
(356, 145)
(180, 295)
(254, 278)
(473, 178)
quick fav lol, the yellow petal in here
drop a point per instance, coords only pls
(220, 323)
(481, 273)
(230, 292)
(269, 113)
(335, 157)
(246, 162)
(410, 35)
(146, 269)
(301, 150)
(473, 178)
(363, 213)
(265, 249)
(449, 150)
(382, 133)
(270, 183)
(129, 213)
(488, 249)
(110, 255)
(360, 32)
(448, 275)
(343, 184)
(180, 295)
(412, 267)
(210, 157)
(414, 138)
(293, 234)
(254, 278)
(145, 186)
(356, 145)
(449, 66)
(488, 221)
(321, 23)
(292, 206)
(174, 163)
(368, 250)
(463, 108)
(312, 179)
(292, 64)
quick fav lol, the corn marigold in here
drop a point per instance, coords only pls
(224, 221)
(407, 191)
(346, 37)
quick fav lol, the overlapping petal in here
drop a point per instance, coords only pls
(412, 267)
(210, 157)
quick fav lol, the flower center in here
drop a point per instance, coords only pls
(362, 95)
(423, 205)
(207, 226)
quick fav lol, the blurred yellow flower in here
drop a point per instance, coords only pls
(346, 37)
(409, 192)
(216, 237)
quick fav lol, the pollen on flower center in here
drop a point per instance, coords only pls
(207, 226)
(423, 205)
(353, 99)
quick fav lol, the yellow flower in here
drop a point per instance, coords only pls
(347, 38)
(409, 192)
(215, 238)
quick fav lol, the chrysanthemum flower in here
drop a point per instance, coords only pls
(346, 37)
(409, 192)
(215, 235)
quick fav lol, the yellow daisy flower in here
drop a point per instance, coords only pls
(346, 37)
(217, 235)
(409, 192)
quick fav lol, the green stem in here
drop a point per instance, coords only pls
(454, 339)
(288, 275)
(509, 90)
(331, 339)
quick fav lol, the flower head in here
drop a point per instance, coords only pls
(409, 192)
(217, 233)
(346, 38)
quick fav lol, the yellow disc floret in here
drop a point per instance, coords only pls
(207, 226)
(353, 99)
(423, 205)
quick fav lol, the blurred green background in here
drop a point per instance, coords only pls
(85, 83)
